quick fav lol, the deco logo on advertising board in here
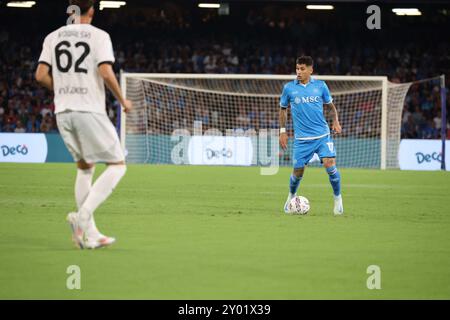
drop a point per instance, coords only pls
(220, 150)
(415, 154)
(23, 147)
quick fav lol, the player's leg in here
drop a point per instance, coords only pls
(100, 143)
(334, 175)
(84, 177)
(327, 154)
(85, 171)
(294, 183)
(335, 180)
(302, 154)
(103, 187)
(83, 184)
(100, 191)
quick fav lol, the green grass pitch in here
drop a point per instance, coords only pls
(186, 232)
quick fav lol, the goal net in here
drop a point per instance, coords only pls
(204, 119)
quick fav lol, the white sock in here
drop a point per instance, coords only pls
(83, 185)
(99, 192)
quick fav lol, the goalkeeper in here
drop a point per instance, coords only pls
(306, 97)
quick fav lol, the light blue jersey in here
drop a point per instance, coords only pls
(307, 102)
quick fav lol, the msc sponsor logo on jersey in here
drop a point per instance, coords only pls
(308, 99)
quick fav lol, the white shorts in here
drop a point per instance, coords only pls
(90, 137)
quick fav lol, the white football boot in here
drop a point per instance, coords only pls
(77, 232)
(93, 239)
(99, 242)
(81, 240)
(289, 198)
(338, 206)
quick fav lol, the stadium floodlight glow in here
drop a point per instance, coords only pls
(209, 5)
(319, 7)
(111, 4)
(407, 11)
(21, 4)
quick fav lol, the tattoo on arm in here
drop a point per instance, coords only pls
(334, 111)
(283, 117)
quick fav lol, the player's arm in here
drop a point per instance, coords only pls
(336, 126)
(283, 134)
(43, 72)
(328, 102)
(284, 103)
(107, 73)
(43, 76)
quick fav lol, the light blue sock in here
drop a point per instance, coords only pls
(335, 179)
(294, 182)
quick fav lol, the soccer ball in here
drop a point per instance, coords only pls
(299, 205)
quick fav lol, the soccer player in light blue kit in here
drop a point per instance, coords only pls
(307, 97)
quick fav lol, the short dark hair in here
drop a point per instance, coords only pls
(84, 5)
(306, 60)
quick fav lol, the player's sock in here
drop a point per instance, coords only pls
(100, 191)
(83, 185)
(294, 182)
(335, 180)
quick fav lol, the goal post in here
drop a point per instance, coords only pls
(122, 117)
(172, 111)
(384, 119)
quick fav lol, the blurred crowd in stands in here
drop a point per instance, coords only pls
(175, 38)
